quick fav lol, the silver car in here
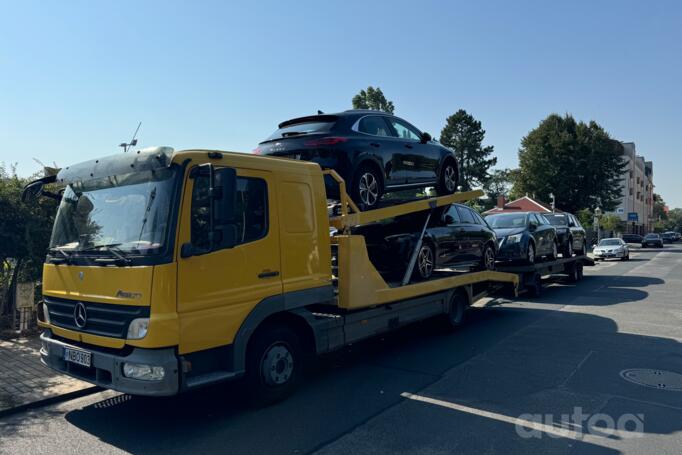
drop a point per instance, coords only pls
(611, 249)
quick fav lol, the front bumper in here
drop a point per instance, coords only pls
(609, 255)
(107, 368)
(511, 251)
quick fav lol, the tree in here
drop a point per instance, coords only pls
(25, 230)
(578, 162)
(674, 220)
(372, 98)
(659, 208)
(464, 135)
(611, 223)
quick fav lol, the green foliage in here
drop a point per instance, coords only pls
(463, 134)
(659, 208)
(579, 163)
(673, 221)
(611, 223)
(586, 217)
(25, 230)
(372, 98)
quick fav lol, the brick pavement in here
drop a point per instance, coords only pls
(23, 379)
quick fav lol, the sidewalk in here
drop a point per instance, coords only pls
(24, 380)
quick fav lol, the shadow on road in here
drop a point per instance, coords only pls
(506, 360)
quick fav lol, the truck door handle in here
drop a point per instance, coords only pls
(408, 146)
(374, 144)
(268, 274)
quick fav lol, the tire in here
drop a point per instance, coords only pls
(583, 249)
(535, 286)
(579, 269)
(488, 258)
(448, 178)
(625, 258)
(455, 316)
(568, 250)
(530, 253)
(367, 188)
(426, 261)
(573, 274)
(274, 364)
(555, 252)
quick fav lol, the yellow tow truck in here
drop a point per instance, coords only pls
(170, 270)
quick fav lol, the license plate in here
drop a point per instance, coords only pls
(77, 356)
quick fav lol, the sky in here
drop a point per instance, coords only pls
(76, 77)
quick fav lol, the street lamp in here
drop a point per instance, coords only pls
(597, 215)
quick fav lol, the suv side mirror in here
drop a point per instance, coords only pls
(426, 137)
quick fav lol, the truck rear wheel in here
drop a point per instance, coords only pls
(274, 364)
(458, 305)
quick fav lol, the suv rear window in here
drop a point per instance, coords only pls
(303, 126)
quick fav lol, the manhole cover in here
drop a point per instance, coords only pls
(656, 379)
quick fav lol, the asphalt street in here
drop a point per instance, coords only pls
(549, 375)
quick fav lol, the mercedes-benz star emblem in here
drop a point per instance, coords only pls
(80, 316)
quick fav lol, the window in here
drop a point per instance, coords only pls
(250, 211)
(466, 215)
(374, 125)
(451, 216)
(405, 131)
(478, 218)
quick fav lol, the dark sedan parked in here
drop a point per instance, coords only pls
(456, 236)
(632, 238)
(570, 233)
(373, 151)
(652, 240)
(523, 236)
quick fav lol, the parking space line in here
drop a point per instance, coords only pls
(524, 426)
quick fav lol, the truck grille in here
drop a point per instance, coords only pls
(103, 319)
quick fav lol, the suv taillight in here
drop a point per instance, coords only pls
(333, 140)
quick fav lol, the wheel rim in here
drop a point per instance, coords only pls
(277, 364)
(450, 178)
(369, 188)
(489, 259)
(425, 262)
(531, 253)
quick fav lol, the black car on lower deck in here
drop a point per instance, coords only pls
(456, 236)
(570, 234)
(652, 239)
(523, 236)
(373, 151)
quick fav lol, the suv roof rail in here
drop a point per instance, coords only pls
(370, 111)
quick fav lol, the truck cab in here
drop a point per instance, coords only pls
(162, 264)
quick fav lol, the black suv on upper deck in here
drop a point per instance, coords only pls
(373, 151)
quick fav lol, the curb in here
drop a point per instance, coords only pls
(50, 400)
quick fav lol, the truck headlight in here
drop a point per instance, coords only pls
(138, 328)
(516, 238)
(143, 371)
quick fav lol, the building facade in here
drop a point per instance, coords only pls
(636, 207)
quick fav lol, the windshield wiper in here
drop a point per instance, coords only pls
(65, 257)
(111, 248)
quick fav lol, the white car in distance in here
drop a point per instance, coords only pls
(611, 249)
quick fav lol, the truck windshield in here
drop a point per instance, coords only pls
(127, 212)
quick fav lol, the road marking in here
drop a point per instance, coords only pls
(605, 438)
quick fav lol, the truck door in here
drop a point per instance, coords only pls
(217, 289)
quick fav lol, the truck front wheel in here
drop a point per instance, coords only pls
(274, 364)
